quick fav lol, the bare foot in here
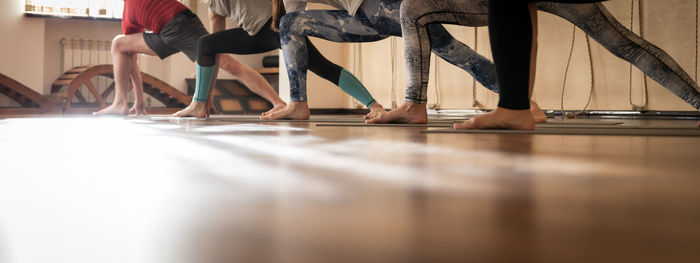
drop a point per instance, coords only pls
(114, 109)
(293, 111)
(138, 110)
(409, 112)
(500, 119)
(275, 108)
(196, 109)
(537, 113)
(375, 110)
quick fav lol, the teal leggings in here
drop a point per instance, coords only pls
(237, 41)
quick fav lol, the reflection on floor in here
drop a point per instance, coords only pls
(220, 190)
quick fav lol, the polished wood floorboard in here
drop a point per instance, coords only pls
(82, 189)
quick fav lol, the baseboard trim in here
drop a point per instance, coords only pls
(329, 111)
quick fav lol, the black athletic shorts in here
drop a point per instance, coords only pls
(180, 34)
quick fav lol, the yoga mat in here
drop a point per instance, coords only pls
(166, 118)
(619, 126)
(576, 123)
(255, 117)
(259, 120)
(580, 122)
(448, 123)
(340, 121)
(629, 131)
(443, 125)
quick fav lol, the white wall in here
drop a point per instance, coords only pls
(57, 29)
(669, 24)
(21, 45)
(30, 50)
(29, 53)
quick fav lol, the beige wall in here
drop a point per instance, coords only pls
(30, 53)
(21, 46)
(57, 29)
(30, 50)
(669, 24)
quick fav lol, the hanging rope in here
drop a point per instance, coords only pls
(476, 49)
(393, 72)
(356, 69)
(566, 74)
(641, 34)
(437, 85)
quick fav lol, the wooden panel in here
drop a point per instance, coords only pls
(267, 70)
(228, 105)
(258, 105)
(222, 191)
(233, 97)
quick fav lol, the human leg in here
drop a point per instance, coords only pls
(333, 25)
(125, 49)
(511, 31)
(422, 34)
(601, 25)
(138, 108)
(342, 78)
(210, 49)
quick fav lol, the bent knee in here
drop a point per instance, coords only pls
(289, 20)
(411, 10)
(231, 65)
(119, 43)
(204, 44)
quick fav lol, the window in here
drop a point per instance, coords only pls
(76, 8)
(110, 9)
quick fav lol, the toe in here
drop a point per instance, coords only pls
(376, 120)
(461, 126)
(466, 125)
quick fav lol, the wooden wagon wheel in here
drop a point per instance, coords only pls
(74, 101)
(31, 101)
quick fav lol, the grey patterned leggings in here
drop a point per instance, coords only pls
(375, 20)
(594, 19)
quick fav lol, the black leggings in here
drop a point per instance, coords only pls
(510, 29)
(238, 41)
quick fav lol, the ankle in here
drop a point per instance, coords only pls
(298, 104)
(197, 104)
(376, 106)
(412, 105)
(120, 104)
(509, 111)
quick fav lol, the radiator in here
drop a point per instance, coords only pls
(84, 52)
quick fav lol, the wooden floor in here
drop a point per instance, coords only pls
(157, 190)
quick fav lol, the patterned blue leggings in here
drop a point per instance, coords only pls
(379, 19)
(375, 20)
(594, 19)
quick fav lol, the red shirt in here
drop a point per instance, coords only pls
(149, 14)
